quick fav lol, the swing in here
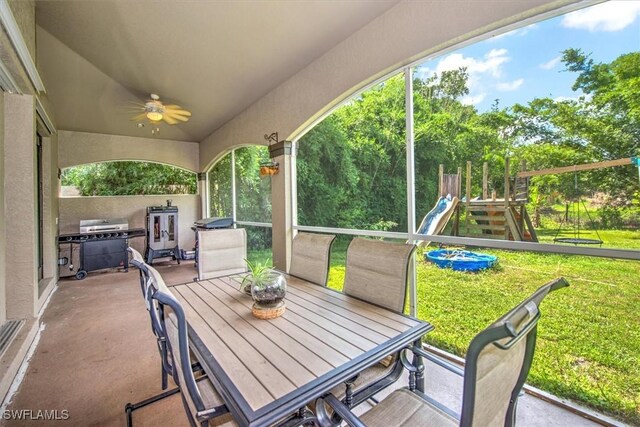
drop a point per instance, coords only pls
(574, 207)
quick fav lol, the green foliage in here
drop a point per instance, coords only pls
(259, 273)
(602, 124)
(253, 198)
(220, 197)
(129, 178)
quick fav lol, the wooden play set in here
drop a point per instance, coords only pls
(489, 217)
(506, 218)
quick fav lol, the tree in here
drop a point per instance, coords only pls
(129, 178)
(601, 124)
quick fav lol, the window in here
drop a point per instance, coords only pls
(252, 203)
(351, 167)
(126, 178)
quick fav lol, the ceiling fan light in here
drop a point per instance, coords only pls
(154, 116)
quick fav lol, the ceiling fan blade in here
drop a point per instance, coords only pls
(169, 119)
(180, 113)
(177, 109)
(139, 117)
(176, 116)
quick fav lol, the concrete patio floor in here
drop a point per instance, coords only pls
(97, 352)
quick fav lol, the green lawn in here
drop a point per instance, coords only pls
(588, 346)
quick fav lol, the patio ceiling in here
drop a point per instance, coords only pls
(214, 58)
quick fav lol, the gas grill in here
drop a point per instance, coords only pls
(100, 244)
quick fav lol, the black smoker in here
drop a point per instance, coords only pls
(162, 233)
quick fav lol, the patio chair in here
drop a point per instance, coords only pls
(221, 252)
(376, 272)
(310, 254)
(153, 283)
(201, 401)
(496, 367)
(138, 262)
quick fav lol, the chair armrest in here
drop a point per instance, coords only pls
(341, 413)
(438, 361)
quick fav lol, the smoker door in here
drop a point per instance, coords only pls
(156, 227)
(171, 230)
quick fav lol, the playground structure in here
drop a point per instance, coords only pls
(573, 206)
(505, 218)
(488, 217)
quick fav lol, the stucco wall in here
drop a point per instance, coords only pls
(76, 148)
(24, 12)
(20, 213)
(3, 242)
(405, 33)
(50, 205)
(74, 209)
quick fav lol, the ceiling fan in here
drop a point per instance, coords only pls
(155, 111)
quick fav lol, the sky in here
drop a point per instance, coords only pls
(520, 65)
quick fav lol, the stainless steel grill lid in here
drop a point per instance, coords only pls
(93, 225)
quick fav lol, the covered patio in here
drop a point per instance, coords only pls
(247, 71)
(113, 359)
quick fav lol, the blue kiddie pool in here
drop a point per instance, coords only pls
(461, 260)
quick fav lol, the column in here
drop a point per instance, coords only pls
(281, 204)
(203, 193)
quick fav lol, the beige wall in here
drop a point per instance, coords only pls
(405, 33)
(77, 148)
(20, 214)
(73, 209)
(50, 205)
(3, 241)
(24, 12)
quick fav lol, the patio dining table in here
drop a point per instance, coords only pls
(267, 370)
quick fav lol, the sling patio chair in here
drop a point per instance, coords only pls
(310, 253)
(496, 367)
(138, 262)
(152, 283)
(376, 272)
(202, 403)
(145, 282)
(221, 252)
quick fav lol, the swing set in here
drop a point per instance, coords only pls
(573, 207)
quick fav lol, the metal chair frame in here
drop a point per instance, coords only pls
(502, 334)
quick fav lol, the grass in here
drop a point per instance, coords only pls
(588, 347)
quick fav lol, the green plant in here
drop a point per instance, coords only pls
(259, 273)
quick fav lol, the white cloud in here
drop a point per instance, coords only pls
(565, 98)
(483, 73)
(585, 97)
(609, 16)
(509, 86)
(517, 32)
(550, 65)
(491, 63)
(473, 100)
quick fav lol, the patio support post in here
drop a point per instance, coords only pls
(411, 182)
(204, 194)
(281, 205)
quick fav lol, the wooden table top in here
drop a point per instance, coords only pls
(267, 369)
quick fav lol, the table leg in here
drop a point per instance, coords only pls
(417, 362)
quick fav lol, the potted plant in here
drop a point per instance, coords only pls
(269, 167)
(268, 288)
